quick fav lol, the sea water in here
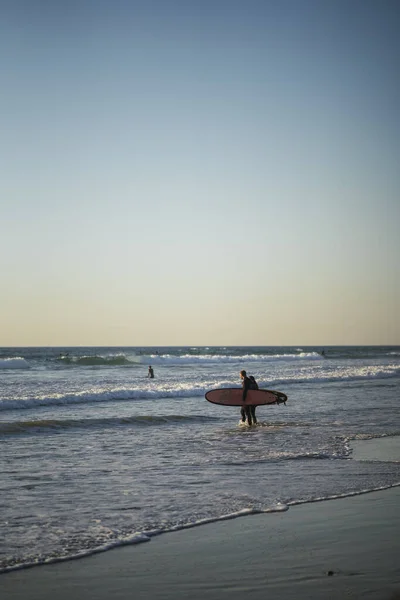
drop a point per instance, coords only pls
(93, 454)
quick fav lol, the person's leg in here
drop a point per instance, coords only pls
(243, 414)
(248, 415)
(253, 414)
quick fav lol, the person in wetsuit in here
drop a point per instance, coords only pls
(151, 372)
(248, 411)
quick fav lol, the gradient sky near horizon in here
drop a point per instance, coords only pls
(179, 172)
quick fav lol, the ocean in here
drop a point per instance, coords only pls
(94, 455)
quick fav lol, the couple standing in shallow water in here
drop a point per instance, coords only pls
(248, 411)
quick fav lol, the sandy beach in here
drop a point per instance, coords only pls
(347, 547)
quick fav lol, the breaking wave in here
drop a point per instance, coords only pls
(111, 360)
(133, 360)
(188, 389)
(189, 359)
(14, 363)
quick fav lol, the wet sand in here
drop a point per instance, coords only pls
(343, 548)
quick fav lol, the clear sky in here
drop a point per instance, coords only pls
(185, 172)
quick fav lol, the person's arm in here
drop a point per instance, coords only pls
(245, 388)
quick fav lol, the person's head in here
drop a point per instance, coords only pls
(242, 374)
(149, 366)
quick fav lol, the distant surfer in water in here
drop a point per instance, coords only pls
(248, 411)
(150, 374)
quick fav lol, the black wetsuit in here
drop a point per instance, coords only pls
(248, 411)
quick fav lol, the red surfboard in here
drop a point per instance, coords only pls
(233, 397)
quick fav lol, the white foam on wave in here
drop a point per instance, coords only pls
(145, 536)
(373, 436)
(180, 359)
(135, 538)
(16, 362)
(189, 359)
(146, 392)
(163, 390)
(344, 495)
(341, 374)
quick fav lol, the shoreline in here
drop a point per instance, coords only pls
(138, 539)
(314, 550)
